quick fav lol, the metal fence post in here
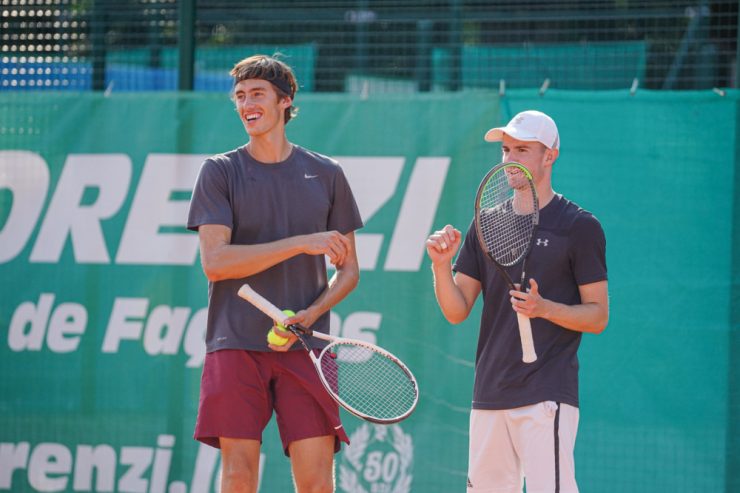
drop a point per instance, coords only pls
(455, 40)
(98, 28)
(186, 42)
(424, 54)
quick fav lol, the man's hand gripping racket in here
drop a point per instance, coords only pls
(506, 217)
(363, 378)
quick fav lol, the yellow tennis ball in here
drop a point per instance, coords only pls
(276, 339)
(289, 313)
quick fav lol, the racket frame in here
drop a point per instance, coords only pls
(529, 355)
(246, 292)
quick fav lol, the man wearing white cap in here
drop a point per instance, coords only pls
(525, 416)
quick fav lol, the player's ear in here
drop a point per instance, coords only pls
(551, 155)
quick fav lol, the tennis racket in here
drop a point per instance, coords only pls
(506, 217)
(363, 378)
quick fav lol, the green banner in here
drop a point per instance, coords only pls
(103, 301)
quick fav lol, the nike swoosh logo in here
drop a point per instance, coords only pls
(308, 177)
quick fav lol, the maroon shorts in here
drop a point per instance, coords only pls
(239, 389)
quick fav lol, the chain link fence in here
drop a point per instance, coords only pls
(364, 45)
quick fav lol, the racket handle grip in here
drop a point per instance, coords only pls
(262, 304)
(525, 333)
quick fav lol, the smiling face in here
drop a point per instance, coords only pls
(269, 69)
(260, 108)
(533, 155)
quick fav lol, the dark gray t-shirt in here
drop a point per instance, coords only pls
(306, 193)
(569, 250)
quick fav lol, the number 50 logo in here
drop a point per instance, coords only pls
(378, 460)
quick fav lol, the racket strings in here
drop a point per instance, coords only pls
(507, 216)
(369, 382)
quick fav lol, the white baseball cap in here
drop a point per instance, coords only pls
(528, 125)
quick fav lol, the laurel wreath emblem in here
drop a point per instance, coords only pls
(352, 464)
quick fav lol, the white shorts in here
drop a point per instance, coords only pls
(534, 442)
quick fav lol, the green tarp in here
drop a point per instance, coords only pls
(102, 300)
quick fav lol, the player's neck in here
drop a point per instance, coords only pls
(545, 195)
(270, 148)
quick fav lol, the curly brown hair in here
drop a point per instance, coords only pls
(275, 71)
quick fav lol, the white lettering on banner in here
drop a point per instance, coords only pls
(26, 175)
(65, 326)
(141, 242)
(162, 461)
(358, 325)
(110, 174)
(416, 217)
(195, 334)
(49, 467)
(89, 459)
(69, 319)
(374, 181)
(163, 331)
(47, 461)
(119, 327)
(207, 471)
(138, 459)
(12, 457)
(206, 464)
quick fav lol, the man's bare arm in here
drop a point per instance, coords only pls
(222, 260)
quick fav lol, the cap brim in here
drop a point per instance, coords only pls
(494, 135)
(497, 134)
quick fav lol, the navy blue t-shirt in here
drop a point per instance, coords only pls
(261, 203)
(569, 250)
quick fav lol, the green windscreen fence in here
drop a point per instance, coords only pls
(564, 65)
(103, 301)
(149, 69)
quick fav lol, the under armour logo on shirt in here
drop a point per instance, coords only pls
(541, 242)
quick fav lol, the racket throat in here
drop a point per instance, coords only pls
(301, 335)
(522, 280)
